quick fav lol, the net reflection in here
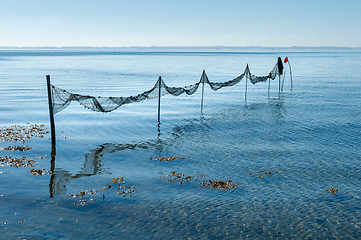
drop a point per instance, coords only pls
(92, 164)
(198, 128)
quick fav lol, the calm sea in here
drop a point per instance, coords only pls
(307, 138)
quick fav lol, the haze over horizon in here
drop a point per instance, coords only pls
(231, 23)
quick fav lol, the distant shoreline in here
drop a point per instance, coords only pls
(187, 49)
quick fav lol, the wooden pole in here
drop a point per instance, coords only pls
(203, 77)
(289, 64)
(269, 84)
(245, 94)
(159, 86)
(283, 81)
(247, 75)
(52, 170)
(51, 113)
(279, 83)
(53, 142)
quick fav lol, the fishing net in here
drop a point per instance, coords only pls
(272, 75)
(218, 85)
(62, 98)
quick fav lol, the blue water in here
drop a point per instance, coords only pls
(308, 136)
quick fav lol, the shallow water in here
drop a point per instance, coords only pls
(307, 136)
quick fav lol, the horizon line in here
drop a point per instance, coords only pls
(215, 46)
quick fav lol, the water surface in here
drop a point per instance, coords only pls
(307, 136)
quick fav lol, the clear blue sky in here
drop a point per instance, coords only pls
(117, 23)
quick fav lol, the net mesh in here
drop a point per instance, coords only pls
(62, 98)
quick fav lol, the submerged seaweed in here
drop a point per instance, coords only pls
(20, 133)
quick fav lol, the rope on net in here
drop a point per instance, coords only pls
(62, 98)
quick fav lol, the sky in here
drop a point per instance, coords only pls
(118, 23)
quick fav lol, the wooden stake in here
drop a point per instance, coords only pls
(247, 76)
(245, 94)
(289, 64)
(203, 77)
(51, 113)
(53, 142)
(159, 85)
(52, 177)
(279, 83)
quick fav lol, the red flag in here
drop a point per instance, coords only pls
(286, 59)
